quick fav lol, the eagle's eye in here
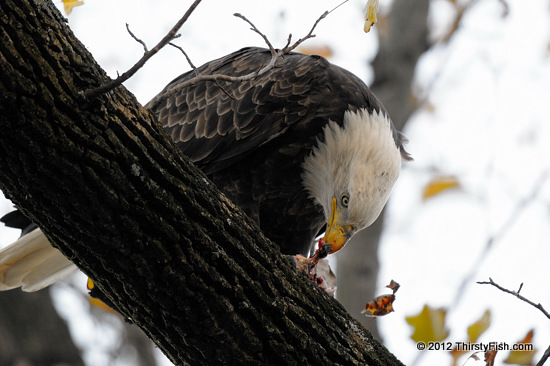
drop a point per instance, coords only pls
(344, 200)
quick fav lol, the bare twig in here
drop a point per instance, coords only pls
(546, 354)
(516, 294)
(544, 357)
(337, 6)
(186, 57)
(136, 38)
(92, 93)
(273, 52)
(308, 36)
(275, 55)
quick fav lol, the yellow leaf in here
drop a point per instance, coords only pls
(371, 14)
(476, 329)
(438, 185)
(70, 4)
(429, 325)
(525, 353)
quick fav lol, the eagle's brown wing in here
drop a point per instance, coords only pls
(216, 123)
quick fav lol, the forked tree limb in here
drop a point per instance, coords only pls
(538, 306)
(275, 56)
(516, 294)
(94, 92)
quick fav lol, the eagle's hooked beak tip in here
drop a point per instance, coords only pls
(336, 235)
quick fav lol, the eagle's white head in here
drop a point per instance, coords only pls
(351, 173)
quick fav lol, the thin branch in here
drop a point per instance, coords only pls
(92, 93)
(308, 36)
(546, 354)
(287, 49)
(273, 52)
(337, 6)
(288, 40)
(544, 357)
(516, 294)
(172, 34)
(186, 56)
(136, 38)
(275, 55)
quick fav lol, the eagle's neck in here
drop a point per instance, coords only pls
(359, 158)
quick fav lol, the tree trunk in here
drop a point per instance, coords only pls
(401, 44)
(24, 320)
(111, 191)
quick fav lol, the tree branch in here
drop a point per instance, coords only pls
(110, 189)
(172, 34)
(275, 55)
(516, 294)
(136, 38)
(544, 357)
(546, 354)
(186, 57)
(307, 36)
(93, 93)
(255, 29)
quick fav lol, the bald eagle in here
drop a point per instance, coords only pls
(303, 148)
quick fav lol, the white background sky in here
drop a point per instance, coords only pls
(484, 119)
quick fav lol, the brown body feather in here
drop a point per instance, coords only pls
(251, 137)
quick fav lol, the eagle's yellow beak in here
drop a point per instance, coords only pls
(336, 235)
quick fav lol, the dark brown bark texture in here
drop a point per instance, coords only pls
(111, 191)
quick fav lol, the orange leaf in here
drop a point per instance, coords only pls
(394, 286)
(382, 305)
(323, 51)
(457, 353)
(429, 325)
(490, 357)
(70, 4)
(524, 353)
(438, 185)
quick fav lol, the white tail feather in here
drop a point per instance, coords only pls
(32, 263)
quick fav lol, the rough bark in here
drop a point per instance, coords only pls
(111, 191)
(403, 38)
